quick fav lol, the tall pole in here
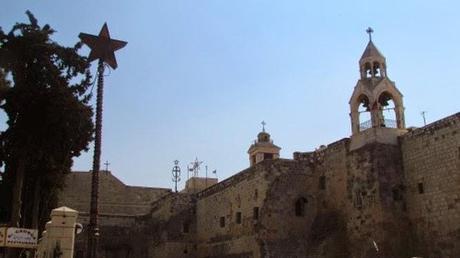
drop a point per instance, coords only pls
(93, 237)
(176, 174)
(102, 49)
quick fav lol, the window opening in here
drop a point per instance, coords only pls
(300, 206)
(268, 156)
(238, 218)
(322, 182)
(256, 213)
(222, 222)
(421, 188)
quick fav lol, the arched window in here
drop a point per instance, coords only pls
(377, 70)
(368, 70)
(387, 112)
(364, 113)
(300, 207)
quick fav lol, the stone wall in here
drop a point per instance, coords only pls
(120, 207)
(173, 220)
(354, 190)
(431, 159)
(114, 196)
(218, 231)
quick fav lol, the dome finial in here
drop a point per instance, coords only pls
(370, 31)
(263, 126)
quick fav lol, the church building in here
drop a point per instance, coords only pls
(385, 191)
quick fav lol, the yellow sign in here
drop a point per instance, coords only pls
(2, 236)
(21, 238)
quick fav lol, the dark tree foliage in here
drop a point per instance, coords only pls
(43, 92)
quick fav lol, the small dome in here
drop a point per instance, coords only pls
(263, 137)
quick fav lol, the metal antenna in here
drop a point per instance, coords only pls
(195, 167)
(176, 174)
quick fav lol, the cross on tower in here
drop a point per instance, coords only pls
(263, 126)
(107, 165)
(370, 31)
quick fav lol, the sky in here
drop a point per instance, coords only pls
(197, 78)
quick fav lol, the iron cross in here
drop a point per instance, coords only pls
(107, 165)
(263, 126)
(370, 31)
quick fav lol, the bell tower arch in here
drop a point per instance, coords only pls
(376, 105)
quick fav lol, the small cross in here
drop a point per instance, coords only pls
(263, 126)
(370, 31)
(106, 165)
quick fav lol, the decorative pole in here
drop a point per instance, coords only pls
(102, 48)
(176, 174)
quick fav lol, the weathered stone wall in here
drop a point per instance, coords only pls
(376, 214)
(120, 206)
(173, 220)
(354, 190)
(114, 196)
(431, 158)
(241, 193)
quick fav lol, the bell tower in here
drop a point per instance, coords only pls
(263, 148)
(376, 105)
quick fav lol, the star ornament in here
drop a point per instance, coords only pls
(102, 46)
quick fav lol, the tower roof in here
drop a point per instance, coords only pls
(371, 51)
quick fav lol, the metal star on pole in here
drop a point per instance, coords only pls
(102, 48)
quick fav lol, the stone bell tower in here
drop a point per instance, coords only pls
(377, 111)
(263, 148)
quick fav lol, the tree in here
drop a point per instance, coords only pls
(43, 91)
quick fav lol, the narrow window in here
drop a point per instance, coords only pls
(222, 222)
(268, 156)
(256, 213)
(421, 189)
(322, 182)
(238, 218)
(300, 207)
(186, 227)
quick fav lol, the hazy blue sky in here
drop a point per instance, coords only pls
(197, 77)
